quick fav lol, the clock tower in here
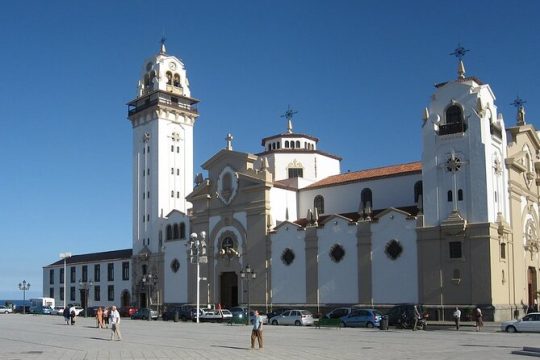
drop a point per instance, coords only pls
(163, 115)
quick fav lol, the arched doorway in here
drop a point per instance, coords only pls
(125, 298)
(532, 286)
(229, 289)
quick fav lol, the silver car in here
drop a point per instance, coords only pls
(529, 323)
(293, 317)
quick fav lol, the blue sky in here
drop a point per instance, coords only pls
(359, 74)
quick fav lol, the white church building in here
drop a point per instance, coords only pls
(458, 227)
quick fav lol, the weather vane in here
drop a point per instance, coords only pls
(459, 52)
(289, 115)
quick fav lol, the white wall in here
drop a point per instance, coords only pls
(387, 192)
(394, 281)
(288, 282)
(338, 281)
(175, 285)
(281, 200)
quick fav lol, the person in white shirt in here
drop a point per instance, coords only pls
(457, 317)
(115, 324)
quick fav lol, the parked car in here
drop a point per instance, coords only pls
(239, 311)
(185, 313)
(223, 315)
(20, 309)
(293, 317)
(362, 318)
(78, 309)
(5, 310)
(398, 312)
(127, 311)
(529, 323)
(144, 314)
(57, 310)
(45, 310)
(338, 313)
(276, 312)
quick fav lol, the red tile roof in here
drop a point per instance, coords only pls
(369, 174)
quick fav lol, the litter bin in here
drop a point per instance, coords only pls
(176, 316)
(383, 324)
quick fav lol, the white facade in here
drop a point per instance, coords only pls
(109, 274)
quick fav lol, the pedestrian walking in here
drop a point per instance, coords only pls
(72, 314)
(478, 318)
(417, 317)
(115, 324)
(66, 315)
(106, 313)
(256, 332)
(99, 318)
(457, 317)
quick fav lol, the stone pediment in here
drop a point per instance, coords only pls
(455, 224)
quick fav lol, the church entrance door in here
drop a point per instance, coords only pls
(531, 286)
(142, 302)
(229, 290)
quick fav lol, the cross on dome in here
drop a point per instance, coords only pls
(162, 49)
(289, 115)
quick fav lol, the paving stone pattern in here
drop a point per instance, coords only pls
(47, 337)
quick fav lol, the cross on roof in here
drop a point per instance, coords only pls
(289, 115)
(459, 52)
(162, 41)
(518, 102)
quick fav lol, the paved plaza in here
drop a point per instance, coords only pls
(47, 337)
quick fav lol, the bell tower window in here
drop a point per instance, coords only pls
(454, 122)
(169, 78)
(176, 80)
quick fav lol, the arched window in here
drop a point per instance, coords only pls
(298, 144)
(417, 191)
(366, 198)
(286, 144)
(460, 195)
(318, 203)
(152, 77)
(169, 232)
(269, 147)
(449, 195)
(146, 80)
(176, 234)
(169, 78)
(454, 115)
(182, 230)
(503, 251)
(292, 144)
(176, 80)
(279, 145)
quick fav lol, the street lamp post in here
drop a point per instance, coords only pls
(24, 286)
(197, 255)
(248, 274)
(149, 281)
(85, 287)
(65, 256)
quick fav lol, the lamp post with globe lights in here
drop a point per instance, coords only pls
(24, 287)
(197, 255)
(85, 286)
(248, 274)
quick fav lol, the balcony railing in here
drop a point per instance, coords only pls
(133, 109)
(453, 128)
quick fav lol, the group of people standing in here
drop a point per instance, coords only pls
(477, 316)
(104, 317)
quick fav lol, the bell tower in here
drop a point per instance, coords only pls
(464, 177)
(163, 115)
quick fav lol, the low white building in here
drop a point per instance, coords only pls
(104, 276)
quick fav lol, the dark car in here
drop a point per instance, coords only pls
(127, 311)
(19, 309)
(338, 313)
(184, 313)
(396, 313)
(144, 314)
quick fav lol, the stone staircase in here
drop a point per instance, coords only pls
(528, 351)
